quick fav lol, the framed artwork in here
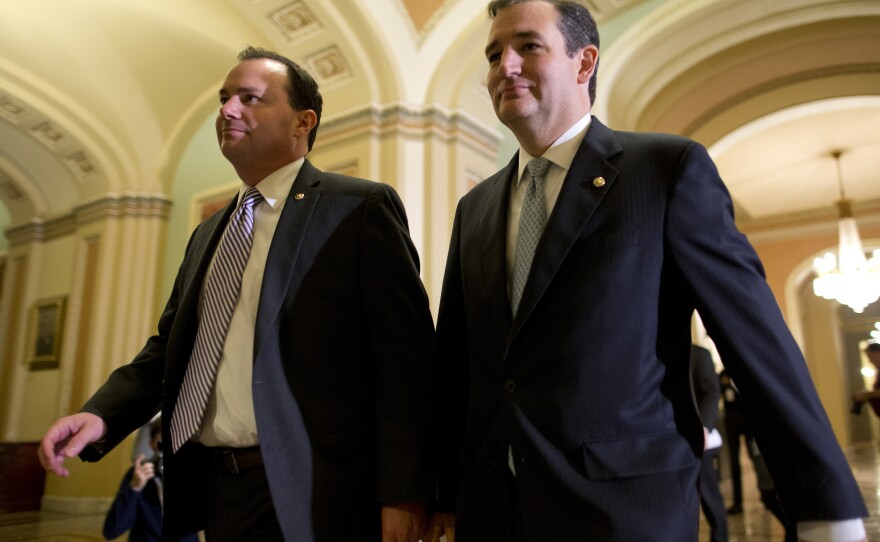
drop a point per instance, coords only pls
(206, 203)
(47, 323)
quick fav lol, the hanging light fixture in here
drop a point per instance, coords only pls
(850, 278)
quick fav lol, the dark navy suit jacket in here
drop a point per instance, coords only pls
(344, 351)
(589, 384)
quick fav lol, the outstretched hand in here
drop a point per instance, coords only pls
(66, 438)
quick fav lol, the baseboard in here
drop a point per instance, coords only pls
(76, 505)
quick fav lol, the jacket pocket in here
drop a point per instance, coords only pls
(637, 456)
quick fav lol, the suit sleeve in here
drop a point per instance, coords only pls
(401, 335)
(742, 317)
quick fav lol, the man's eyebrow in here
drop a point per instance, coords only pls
(239, 90)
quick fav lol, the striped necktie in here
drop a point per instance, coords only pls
(532, 220)
(222, 288)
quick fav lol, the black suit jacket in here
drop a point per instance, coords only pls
(343, 356)
(590, 383)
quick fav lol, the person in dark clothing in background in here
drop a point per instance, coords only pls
(137, 507)
(706, 393)
(768, 491)
(735, 425)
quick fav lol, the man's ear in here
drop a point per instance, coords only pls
(589, 56)
(305, 121)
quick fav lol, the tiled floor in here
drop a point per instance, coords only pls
(755, 524)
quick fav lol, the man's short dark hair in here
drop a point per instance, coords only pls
(302, 90)
(576, 25)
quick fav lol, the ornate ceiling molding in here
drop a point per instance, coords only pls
(58, 141)
(413, 122)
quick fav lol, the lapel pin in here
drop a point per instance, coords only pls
(599, 182)
(299, 195)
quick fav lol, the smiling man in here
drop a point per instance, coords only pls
(564, 325)
(295, 352)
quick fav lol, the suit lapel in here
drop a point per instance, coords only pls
(574, 207)
(285, 249)
(493, 232)
(200, 253)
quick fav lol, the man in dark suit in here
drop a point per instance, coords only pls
(736, 429)
(316, 425)
(570, 413)
(707, 392)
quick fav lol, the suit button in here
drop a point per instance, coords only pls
(510, 386)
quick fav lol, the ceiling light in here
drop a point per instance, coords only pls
(850, 278)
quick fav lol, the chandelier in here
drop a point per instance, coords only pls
(850, 278)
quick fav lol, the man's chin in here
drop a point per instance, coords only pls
(229, 141)
(229, 149)
(509, 114)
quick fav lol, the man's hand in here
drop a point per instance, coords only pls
(439, 524)
(66, 438)
(142, 472)
(403, 522)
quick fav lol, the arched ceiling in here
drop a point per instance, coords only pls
(771, 88)
(101, 96)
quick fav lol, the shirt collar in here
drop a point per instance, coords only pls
(276, 186)
(561, 151)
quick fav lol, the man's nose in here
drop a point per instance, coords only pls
(510, 63)
(231, 109)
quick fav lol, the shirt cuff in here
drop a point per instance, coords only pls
(849, 530)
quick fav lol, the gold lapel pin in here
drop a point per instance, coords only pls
(599, 182)
(299, 195)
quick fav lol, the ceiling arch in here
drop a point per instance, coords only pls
(97, 85)
(793, 74)
(100, 96)
(723, 49)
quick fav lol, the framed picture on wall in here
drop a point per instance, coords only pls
(206, 203)
(46, 327)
